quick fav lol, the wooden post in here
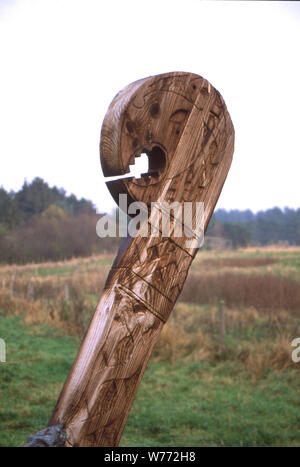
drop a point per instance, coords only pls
(222, 326)
(182, 124)
(30, 291)
(66, 293)
(11, 287)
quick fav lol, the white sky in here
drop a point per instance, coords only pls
(63, 61)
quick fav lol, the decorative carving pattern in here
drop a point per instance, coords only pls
(186, 118)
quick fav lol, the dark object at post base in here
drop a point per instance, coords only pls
(51, 437)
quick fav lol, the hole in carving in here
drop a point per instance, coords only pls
(140, 166)
(148, 163)
(157, 161)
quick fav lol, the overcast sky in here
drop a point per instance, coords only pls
(63, 61)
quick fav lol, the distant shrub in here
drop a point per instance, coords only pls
(55, 237)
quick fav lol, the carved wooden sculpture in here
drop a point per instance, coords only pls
(182, 123)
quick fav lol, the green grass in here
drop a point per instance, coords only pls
(182, 401)
(43, 272)
(179, 404)
(38, 360)
(204, 405)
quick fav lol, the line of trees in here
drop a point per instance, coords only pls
(244, 228)
(41, 223)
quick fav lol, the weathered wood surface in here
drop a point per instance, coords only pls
(181, 121)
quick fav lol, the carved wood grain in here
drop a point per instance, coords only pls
(186, 118)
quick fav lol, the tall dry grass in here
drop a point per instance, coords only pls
(267, 292)
(64, 301)
(65, 295)
(192, 335)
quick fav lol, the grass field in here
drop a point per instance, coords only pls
(196, 391)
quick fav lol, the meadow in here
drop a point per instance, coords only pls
(220, 375)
